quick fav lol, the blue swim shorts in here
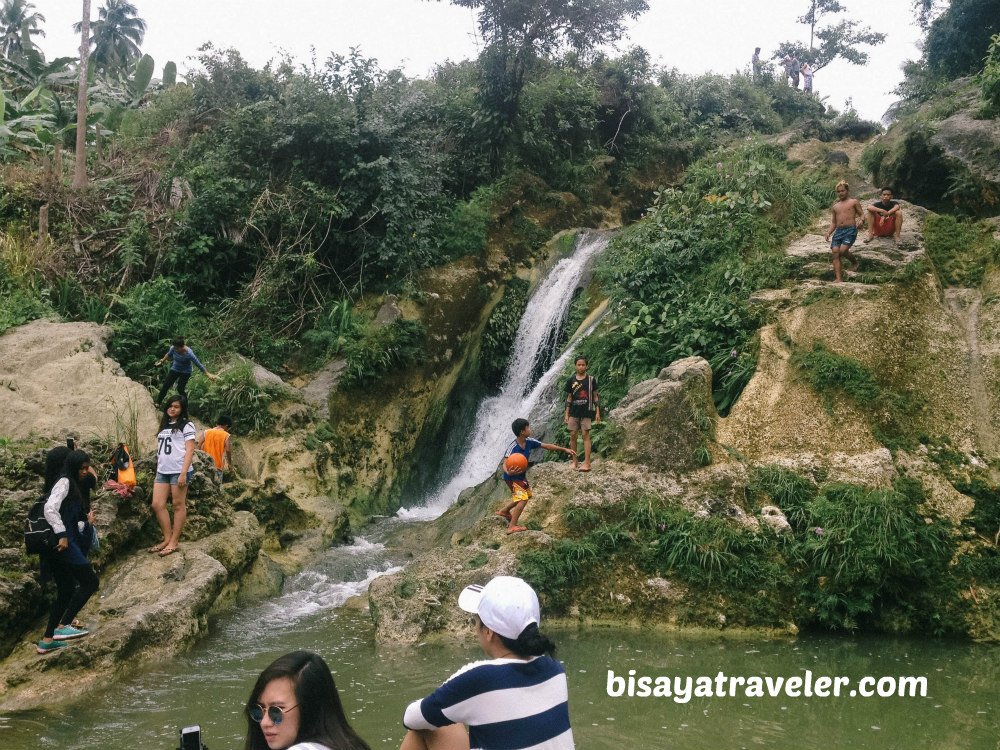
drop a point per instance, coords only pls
(844, 236)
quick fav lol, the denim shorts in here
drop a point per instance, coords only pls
(171, 478)
(844, 236)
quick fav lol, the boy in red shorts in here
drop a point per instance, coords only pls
(520, 490)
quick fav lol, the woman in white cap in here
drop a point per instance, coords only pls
(517, 699)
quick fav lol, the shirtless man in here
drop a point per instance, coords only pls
(844, 228)
(886, 218)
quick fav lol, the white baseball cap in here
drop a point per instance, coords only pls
(506, 605)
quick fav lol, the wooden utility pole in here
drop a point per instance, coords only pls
(80, 174)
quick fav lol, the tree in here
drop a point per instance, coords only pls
(116, 36)
(16, 18)
(835, 40)
(516, 32)
(958, 39)
(80, 172)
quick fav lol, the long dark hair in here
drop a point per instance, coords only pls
(531, 642)
(321, 717)
(182, 418)
(71, 470)
(55, 462)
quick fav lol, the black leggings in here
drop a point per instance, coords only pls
(182, 381)
(75, 584)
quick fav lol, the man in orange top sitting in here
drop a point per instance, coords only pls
(215, 442)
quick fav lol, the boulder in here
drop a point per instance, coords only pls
(149, 609)
(665, 420)
(59, 381)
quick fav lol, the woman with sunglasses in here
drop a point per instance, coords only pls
(295, 706)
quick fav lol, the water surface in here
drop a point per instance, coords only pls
(209, 684)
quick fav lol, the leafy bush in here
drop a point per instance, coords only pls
(237, 394)
(679, 282)
(960, 249)
(868, 554)
(872, 158)
(888, 411)
(986, 515)
(829, 371)
(19, 306)
(553, 572)
(497, 341)
(145, 320)
(989, 79)
(379, 352)
(331, 334)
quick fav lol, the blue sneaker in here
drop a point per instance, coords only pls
(69, 632)
(44, 648)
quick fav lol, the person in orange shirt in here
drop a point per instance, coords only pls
(215, 442)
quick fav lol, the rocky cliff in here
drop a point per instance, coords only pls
(851, 485)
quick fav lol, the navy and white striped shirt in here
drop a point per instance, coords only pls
(508, 704)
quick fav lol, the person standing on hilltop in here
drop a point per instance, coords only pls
(786, 63)
(755, 64)
(182, 357)
(844, 228)
(807, 78)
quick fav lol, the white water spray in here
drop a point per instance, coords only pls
(534, 343)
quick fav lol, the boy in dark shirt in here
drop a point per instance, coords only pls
(581, 409)
(886, 217)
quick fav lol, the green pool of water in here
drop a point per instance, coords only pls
(209, 684)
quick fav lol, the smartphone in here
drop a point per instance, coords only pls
(191, 738)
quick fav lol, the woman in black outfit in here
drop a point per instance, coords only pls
(67, 511)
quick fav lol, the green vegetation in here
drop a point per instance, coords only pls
(237, 394)
(255, 211)
(956, 41)
(679, 282)
(830, 373)
(960, 249)
(497, 343)
(856, 559)
(829, 39)
(390, 347)
(989, 80)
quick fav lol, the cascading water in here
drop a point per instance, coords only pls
(534, 349)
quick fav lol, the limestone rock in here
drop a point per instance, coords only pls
(149, 608)
(317, 390)
(664, 420)
(389, 312)
(57, 380)
(974, 143)
(775, 518)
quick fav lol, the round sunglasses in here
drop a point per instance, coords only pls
(274, 713)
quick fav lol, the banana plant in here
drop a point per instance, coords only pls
(19, 132)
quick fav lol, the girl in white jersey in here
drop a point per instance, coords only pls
(174, 453)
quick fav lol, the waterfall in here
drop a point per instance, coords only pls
(535, 347)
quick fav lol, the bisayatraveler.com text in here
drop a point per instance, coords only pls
(683, 689)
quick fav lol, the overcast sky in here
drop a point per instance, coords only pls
(416, 34)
